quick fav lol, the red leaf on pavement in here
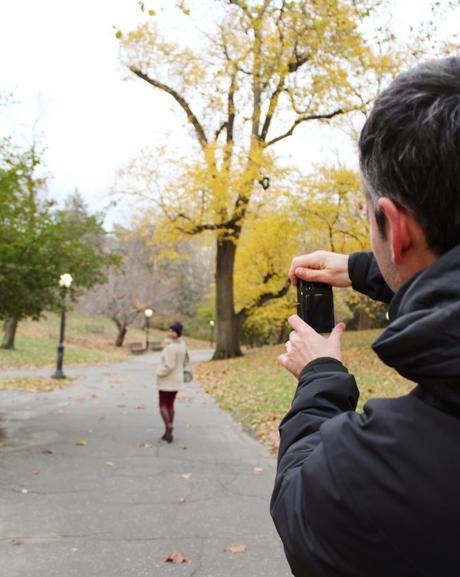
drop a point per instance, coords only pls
(177, 557)
(16, 542)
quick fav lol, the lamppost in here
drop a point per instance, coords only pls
(65, 280)
(148, 313)
(211, 326)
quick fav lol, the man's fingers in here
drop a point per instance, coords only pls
(337, 334)
(306, 261)
(311, 274)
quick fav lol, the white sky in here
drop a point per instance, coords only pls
(60, 59)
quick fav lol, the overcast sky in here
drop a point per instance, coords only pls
(60, 59)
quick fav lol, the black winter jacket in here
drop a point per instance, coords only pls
(377, 494)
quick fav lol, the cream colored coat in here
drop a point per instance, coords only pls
(170, 372)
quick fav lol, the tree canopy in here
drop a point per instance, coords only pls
(39, 242)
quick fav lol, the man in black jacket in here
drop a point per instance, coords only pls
(377, 494)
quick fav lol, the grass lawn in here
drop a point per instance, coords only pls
(258, 392)
(88, 340)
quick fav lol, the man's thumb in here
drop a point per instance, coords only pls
(337, 333)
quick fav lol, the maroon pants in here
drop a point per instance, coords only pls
(167, 399)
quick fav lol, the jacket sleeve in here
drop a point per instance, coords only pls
(366, 277)
(168, 362)
(324, 533)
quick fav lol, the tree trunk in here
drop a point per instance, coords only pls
(9, 328)
(364, 320)
(228, 323)
(122, 330)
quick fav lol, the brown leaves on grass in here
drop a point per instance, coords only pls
(177, 557)
(258, 392)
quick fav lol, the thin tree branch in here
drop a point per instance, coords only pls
(305, 119)
(180, 99)
(219, 130)
(272, 107)
(264, 298)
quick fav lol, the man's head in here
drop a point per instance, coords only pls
(410, 159)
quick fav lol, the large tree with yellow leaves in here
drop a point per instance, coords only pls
(259, 69)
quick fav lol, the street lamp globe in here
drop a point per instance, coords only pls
(211, 323)
(65, 280)
(148, 313)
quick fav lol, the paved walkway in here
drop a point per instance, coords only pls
(118, 505)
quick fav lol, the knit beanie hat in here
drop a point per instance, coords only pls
(177, 327)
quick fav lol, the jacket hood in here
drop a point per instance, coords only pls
(423, 340)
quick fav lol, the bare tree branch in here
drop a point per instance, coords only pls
(305, 119)
(272, 107)
(264, 298)
(219, 130)
(180, 99)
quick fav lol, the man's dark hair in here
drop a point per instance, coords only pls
(410, 149)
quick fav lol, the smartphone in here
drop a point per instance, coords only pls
(315, 305)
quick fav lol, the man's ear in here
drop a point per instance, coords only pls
(399, 232)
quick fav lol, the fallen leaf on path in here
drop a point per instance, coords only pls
(140, 407)
(187, 476)
(177, 557)
(16, 542)
(236, 548)
(182, 500)
(81, 443)
(121, 406)
(258, 470)
(48, 451)
(24, 491)
(143, 445)
(109, 464)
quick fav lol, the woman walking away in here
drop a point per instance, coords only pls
(170, 375)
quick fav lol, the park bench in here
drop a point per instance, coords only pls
(156, 346)
(136, 348)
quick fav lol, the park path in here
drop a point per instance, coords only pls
(117, 505)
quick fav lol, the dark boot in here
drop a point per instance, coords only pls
(168, 436)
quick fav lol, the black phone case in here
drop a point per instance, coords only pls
(315, 305)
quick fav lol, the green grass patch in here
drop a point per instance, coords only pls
(258, 391)
(89, 340)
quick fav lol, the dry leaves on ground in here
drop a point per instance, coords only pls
(177, 557)
(236, 548)
(33, 384)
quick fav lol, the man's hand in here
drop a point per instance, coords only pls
(305, 345)
(321, 266)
